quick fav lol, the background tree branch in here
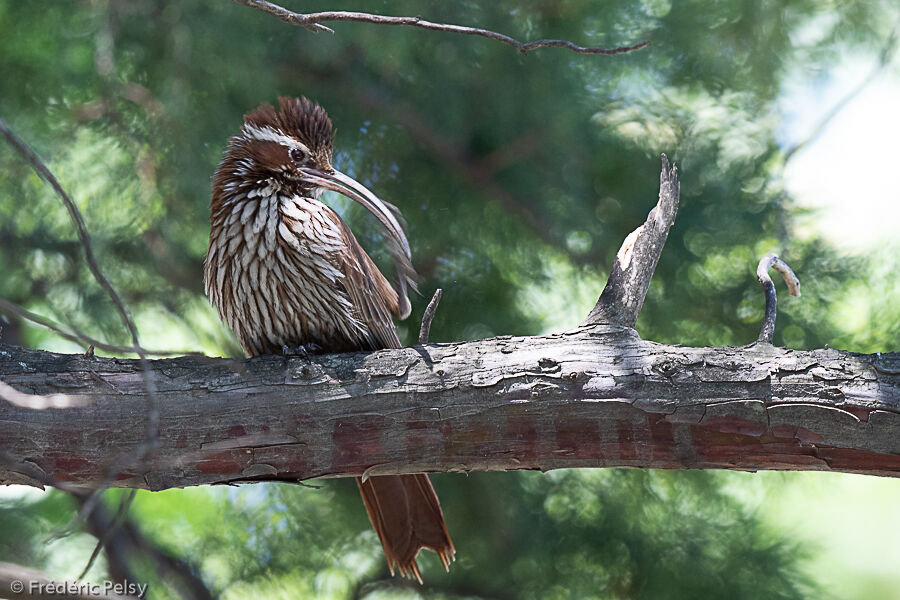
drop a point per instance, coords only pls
(313, 22)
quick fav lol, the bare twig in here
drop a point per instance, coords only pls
(119, 554)
(152, 434)
(428, 316)
(629, 279)
(80, 337)
(170, 568)
(313, 22)
(771, 261)
(39, 401)
(124, 541)
(41, 169)
(38, 165)
(108, 530)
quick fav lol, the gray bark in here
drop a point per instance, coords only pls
(631, 272)
(598, 396)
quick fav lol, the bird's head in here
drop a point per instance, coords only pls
(283, 149)
(288, 152)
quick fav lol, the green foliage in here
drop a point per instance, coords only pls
(519, 177)
(31, 523)
(571, 534)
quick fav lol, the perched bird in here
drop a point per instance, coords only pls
(285, 271)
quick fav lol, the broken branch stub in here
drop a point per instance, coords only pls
(771, 261)
(629, 279)
(428, 316)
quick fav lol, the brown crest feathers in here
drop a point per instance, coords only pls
(300, 118)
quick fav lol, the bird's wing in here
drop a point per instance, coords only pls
(373, 297)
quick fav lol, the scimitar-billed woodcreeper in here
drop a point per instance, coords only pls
(285, 271)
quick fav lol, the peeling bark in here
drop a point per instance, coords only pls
(598, 396)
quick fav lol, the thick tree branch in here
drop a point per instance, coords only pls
(313, 22)
(595, 397)
(598, 396)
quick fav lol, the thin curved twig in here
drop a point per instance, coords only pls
(428, 316)
(44, 172)
(771, 261)
(80, 337)
(152, 436)
(313, 22)
(41, 169)
(112, 527)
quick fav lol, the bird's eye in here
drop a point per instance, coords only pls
(297, 155)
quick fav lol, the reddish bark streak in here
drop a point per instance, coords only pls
(244, 423)
(578, 438)
(522, 433)
(357, 445)
(228, 461)
(860, 412)
(845, 458)
(423, 435)
(733, 424)
(626, 447)
(65, 467)
(662, 434)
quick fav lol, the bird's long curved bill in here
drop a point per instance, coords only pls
(398, 246)
(349, 187)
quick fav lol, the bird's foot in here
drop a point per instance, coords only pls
(303, 350)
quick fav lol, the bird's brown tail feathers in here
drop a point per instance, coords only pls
(407, 517)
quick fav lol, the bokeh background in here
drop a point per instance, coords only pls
(519, 176)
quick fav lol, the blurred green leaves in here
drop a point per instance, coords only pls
(519, 177)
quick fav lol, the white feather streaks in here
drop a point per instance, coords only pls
(274, 272)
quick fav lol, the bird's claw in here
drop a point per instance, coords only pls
(303, 350)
